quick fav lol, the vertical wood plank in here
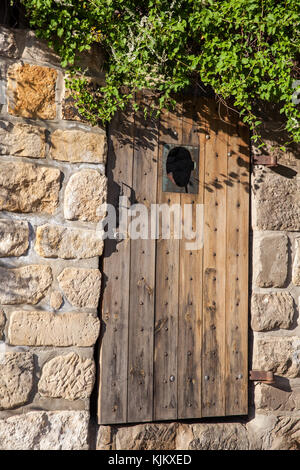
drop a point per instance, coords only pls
(190, 279)
(214, 268)
(142, 275)
(236, 391)
(166, 286)
(112, 406)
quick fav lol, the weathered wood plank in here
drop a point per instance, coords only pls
(112, 407)
(142, 276)
(236, 390)
(166, 285)
(190, 279)
(214, 268)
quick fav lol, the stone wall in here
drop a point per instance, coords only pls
(52, 180)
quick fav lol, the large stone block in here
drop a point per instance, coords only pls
(25, 187)
(8, 45)
(22, 140)
(296, 264)
(77, 146)
(36, 49)
(212, 436)
(278, 354)
(84, 195)
(16, 379)
(40, 328)
(155, 436)
(286, 434)
(269, 398)
(270, 311)
(81, 286)
(70, 377)
(41, 430)
(57, 241)
(31, 91)
(28, 284)
(276, 201)
(271, 259)
(14, 237)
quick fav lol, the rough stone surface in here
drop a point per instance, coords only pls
(22, 140)
(28, 284)
(16, 378)
(75, 145)
(270, 311)
(31, 91)
(70, 377)
(276, 201)
(14, 237)
(105, 438)
(296, 264)
(41, 430)
(25, 187)
(81, 286)
(54, 241)
(278, 354)
(286, 434)
(56, 300)
(271, 260)
(212, 436)
(8, 45)
(37, 50)
(2, 323)
(273, 398)
(84, 195)
(40, 328)
(147, 437)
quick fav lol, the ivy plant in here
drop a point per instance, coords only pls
(246, 50)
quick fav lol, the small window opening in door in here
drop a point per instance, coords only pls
(180, 169)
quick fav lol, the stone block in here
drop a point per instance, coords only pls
(8, 45)
(28, 284)
(212, 436)
(22, 140)
(77, 146)
(70, 377)
(31, 91)
(85, 193)
(271, 259)
(154, 436)
(57, 241)
(25, 187)
(16, 379)
(272, 398)
(36, 49)
(278, 354)
(56, 300)
(271, 311)
(42, 430)
(14, 237)
(41, 328)
(81, 286)
(276, 201)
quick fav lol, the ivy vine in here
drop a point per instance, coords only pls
(246, 50)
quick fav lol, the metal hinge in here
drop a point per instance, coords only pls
(266, 377)
(267, 160)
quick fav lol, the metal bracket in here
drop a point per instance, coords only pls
(267, 160)
(266, 377)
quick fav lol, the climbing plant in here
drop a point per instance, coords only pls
(244, 49)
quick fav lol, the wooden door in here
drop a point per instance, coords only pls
(174, 320)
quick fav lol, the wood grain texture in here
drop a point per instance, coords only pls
(142, 275)
(112, 406)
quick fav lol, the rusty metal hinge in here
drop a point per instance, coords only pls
(266, 377)
(267, 160)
